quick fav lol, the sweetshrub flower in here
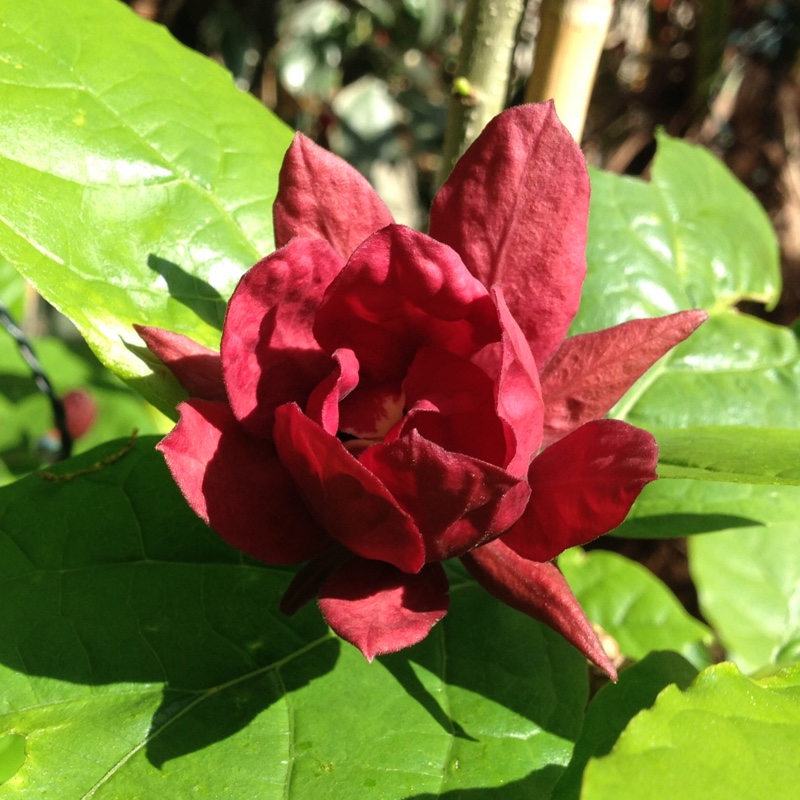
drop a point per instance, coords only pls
(385, 400)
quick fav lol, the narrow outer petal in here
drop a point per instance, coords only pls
(400, 291)
(353, 506)
(583, 486)
(237, 485)
(269, 353)
(590, 372)
(541, 592)
(380, 609)
(457, 502)
(197, 368)
(515, 208)
(322, 197)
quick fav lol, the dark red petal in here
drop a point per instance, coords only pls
(237, 485)
(351, 503)
(322, 197)
(457, 502)
(269, 354)
(371, 410)
(515, 208)
(380, 609)
(541, 592)
(583, 486)
(197, 368)
(400, 291)
(519, 396)
(323, 404)
(590, 372)
(456, 402)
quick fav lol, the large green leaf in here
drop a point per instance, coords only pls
(142, 657)
(615, 705)
(730, 454)
(137, 180)
(692, 238)
(726, 736)
(632, 605)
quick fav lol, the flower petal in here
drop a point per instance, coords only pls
(380, 609)
(237, 485)
(269, 354)
(322, 197)
(590, 372)
(518, 394)
(457, 502)
(400, 291)
(515, 208)
(354, 507)
(197, 368)
(323, 404)
(541, 592)
(457, 401)
(583, 486)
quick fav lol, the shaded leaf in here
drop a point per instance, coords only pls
(141, 656)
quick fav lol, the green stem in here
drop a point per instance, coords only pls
(480, 90)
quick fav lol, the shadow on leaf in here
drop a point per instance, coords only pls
(193, 292)
(108, 578)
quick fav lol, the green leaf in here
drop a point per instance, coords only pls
(26, 415)
(748, 583)
(615, 705)
(747, 572)
(730, 454)
(12, 290)
(692, 238)
(137, 180)
(12, 755)
(140, 656)
(630, 604)
(726, 736)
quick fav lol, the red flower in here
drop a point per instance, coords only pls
(381, 397)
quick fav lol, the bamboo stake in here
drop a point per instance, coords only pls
(480, 90)
(568, 48)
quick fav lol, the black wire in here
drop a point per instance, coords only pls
(40, 379)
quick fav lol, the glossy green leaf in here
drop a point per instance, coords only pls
(26, 417)
(633, 606)
(12, 290)
(730, 454)
(748, 583)
(615, 705)
(12, 755)
(726, 736)
(140, 656)
(694, 237)
(137, 180)
(747, 565)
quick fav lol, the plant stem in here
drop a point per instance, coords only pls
(480, 89)
(568, 48)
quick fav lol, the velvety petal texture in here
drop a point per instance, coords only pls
(541, 592)
(269, 353)
(380, 609)
(385, 400)
(322, 197)
(589, 373)
(197, 368)
(238, 486)
(583, 486)
(353, 506)
(515, 209)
